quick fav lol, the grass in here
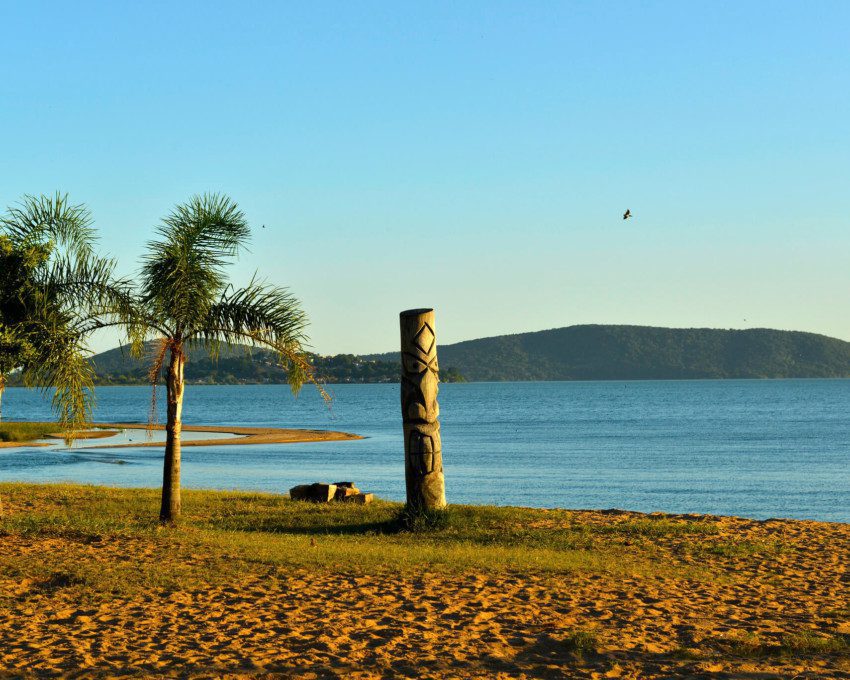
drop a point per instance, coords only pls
(750, 645)
(223, 534)
(26, 432)
(581, 643)
(20, 432)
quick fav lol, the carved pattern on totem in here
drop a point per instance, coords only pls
(420, 378)
(421, 449)
(420, 410)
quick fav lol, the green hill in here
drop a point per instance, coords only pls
(238, 366)
(643, 352)
(572, 353)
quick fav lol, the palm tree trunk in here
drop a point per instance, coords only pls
(169, 511)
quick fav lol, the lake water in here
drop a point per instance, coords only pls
(772, 448)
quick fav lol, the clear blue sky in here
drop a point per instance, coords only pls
(473, 157)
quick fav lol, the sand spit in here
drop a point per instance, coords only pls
(14, 445)
(247, 435)
(88, 434)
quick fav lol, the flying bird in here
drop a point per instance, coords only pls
(627, 214)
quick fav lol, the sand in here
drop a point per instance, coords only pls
(248, 435)
(317, 623)
(88, 434)
(13, 445)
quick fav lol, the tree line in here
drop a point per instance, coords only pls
(248, 366)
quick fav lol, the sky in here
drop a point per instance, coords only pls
(474, 157)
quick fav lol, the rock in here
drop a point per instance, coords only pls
(317, 493)
(343, 492)
(347, 485)
(300, 492)
(359, 498)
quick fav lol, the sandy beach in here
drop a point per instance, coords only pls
(636, 595)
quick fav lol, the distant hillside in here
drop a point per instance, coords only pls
(572, 353)
(238, 366)
(643, 352)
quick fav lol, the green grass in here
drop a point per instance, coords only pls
(224, 535)
(26, 432)
(581, 643)
(810, 643)
(749, 645)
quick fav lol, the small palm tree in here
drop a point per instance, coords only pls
(185, 301)
(53, 292)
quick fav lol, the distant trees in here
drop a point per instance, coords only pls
(184, 300)
(54, 290)
(237, 366)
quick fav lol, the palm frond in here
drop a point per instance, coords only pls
(260, 315)
(37, 219)
(88, 286)
(53, 292)
(183, 270)
(60, 363)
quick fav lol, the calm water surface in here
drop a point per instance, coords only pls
(778, 448)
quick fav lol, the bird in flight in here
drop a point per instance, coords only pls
(627, 214)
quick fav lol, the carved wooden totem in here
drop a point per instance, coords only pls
(423, 468)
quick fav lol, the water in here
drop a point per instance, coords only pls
(778, 448)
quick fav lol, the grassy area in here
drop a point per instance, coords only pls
(26, 432)
(750, 645)
(20, 432)
(223, 534)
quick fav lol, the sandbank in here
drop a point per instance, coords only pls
(245, 435)
(13, 445)
(242, 436)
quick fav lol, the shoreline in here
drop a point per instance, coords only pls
(244, 436)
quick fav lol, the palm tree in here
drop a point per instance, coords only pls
(53, 292)
(185, 301)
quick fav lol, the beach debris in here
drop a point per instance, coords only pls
(317, 493)
(344, 492)
(359, 498)
(345, 489)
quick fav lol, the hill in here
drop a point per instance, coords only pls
(596, 352)
(590, 352)
(241, 366)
